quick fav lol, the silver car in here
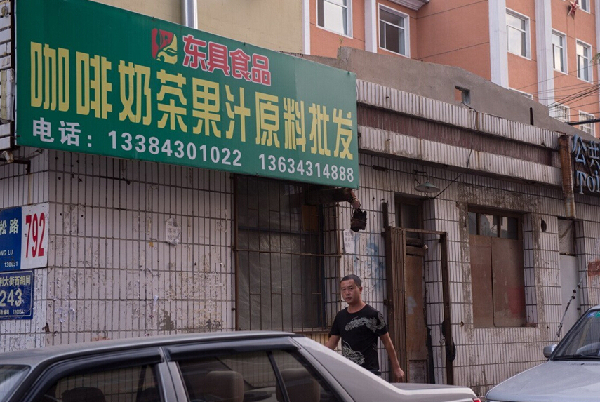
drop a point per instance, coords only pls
(571, 374)
(222, 367)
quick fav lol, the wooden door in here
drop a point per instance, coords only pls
(406, 306)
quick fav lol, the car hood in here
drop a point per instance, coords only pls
(435, 392)
(555, 381)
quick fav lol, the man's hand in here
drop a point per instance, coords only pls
(398, 374)
(389, 346)
(332, 342)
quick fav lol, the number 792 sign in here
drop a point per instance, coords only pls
(24, 237)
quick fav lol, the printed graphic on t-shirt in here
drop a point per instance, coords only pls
(360, 332)
(373, 324)
(353, 355)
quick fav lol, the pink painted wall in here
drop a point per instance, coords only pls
(580, 27)
(522, 72)
(326, 43)
(455, 32)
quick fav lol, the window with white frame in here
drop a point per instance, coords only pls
(559, 51)
(560, 112)
(393, 31)
(584, 5)
(335, 16)
(517, 28)
(584, 57)
(588, 127)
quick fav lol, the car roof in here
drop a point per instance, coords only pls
(33, 357)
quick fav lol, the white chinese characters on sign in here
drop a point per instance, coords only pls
(587, 165)
(69, 132)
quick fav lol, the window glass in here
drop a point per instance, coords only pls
(583, 61)
(585, 5)
(410, 216)
(558, 49)
(300, 384)
(250, 377)
(560, 112)
(333, 15)
(588, 127)
(488, 225)
(583, 341)
(132, 384)
(10, 377)
(392, 34)
(472, 223)
(517, 34)
(509, 228)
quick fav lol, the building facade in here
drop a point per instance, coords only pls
(542, 49)
(474, 277)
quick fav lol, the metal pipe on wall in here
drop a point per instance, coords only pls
(189, 13)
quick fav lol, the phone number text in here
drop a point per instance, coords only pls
(306, 168)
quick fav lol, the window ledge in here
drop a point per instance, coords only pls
(521, 56)
(395, 53)
(334, 32)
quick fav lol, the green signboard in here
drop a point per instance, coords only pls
(97, 79)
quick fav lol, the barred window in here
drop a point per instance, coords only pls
(279, 244)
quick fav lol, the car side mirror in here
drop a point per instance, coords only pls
(548, 350)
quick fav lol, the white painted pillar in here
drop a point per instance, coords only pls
(371, 26)
(306, 26)
(545, 65)
(498, 42)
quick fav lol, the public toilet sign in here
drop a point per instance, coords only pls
(586, 159)
(96, 79)
(24, 237)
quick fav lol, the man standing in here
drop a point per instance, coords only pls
(359, 325)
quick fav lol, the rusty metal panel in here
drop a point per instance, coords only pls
(451, 135)
(481, 277)
(566, 167)
(508, 282)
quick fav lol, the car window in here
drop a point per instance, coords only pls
(583, 340)
(250, 377)
(301, 384)
(131, 384)
(10, 377)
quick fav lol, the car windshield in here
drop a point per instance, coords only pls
(583, 341)
(10, 377)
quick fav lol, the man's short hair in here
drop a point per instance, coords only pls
(355, 278)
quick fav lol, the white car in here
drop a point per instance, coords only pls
(571, 374)
(217, 367)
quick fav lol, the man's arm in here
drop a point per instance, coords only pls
(332, 342)
(387, 342)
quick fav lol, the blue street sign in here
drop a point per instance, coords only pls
(10, 239)
(16, 295)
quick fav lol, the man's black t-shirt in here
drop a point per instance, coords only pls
(359, 332)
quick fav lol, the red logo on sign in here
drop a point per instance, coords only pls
(164, 46)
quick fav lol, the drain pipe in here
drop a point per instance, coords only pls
(189, 13)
